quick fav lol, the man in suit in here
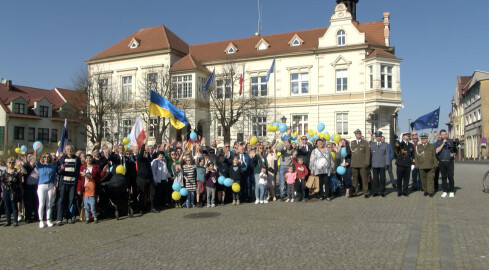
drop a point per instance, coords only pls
(360, 160)
(380, 160)
(426, 162)
(246, 181)
(405, 163)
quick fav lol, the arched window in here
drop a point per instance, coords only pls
(341, 37)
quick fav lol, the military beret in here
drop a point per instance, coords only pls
(424, 136)
(357, 131)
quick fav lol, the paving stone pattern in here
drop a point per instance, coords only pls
(414, 232)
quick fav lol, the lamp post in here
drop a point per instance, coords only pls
(409, 124)
(284, 119)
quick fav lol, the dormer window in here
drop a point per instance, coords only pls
(341, 37)
(231, 49)
(296, 41)
(19, 108)
(44, 111)
(262, 45)
(134, 43)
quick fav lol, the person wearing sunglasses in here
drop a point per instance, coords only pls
(12, 190)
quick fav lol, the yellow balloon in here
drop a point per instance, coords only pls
(333, 155)
(125, 147)
(16, 167)
(337, 138)
(279, 154)
(17, 150)
(120, 170)
(125, 141)
(320, 135)
(59, 142)
(236, 188)
(327, 137)
(310, 132)
(253, 140)
(176, 195)
(269, 128)
(275, 128)
(281, 142)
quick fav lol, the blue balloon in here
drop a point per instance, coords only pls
(296, 142)
(129, 136)
(286, 137)
(111, 168)
(311, 139)
(23, 148)
(221, 179)
(183, 192)
(176, 186)
(128, 146)
(340, 170)
(36, 144)
(307, 135)
(193, 136)
(343, 152)
(321, 127)
(315, 137)
(228, 182)
(275, 124)
(282, 127)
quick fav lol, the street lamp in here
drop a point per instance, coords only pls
(409, 124)
(284, 119)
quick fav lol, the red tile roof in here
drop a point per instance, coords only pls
(188, 63)
(463, 84)
(29, 94)
(159, 37)
(150, 39)
(382, 53)
(76, 99)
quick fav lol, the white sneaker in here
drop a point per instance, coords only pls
(274, 198)
(208, 205)
(42, 224)
(261, 201)
(237, 202)
(50, 224)
(265, 201)
(444, 195)
(292, 200)
(287, 200)
(234, 202)
(213, 205)
(257, 201)
(451, 195)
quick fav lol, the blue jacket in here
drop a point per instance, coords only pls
(47, 173)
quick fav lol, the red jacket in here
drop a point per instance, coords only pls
(300, 169)
(97, 175)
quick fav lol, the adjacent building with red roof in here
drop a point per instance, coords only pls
(345, 75)
(29, 114)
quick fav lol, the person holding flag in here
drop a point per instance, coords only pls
(160, 106)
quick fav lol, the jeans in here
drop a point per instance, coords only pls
(324, 185)
(271, 184)
(10, 205)
(257, 180)
(89, 203)
(282, 171)
(262, 191)
(46, 197)
(290, 191)
(446, 169)
(66, 198)
(236, 194)
(190, 199)
(300, 185)
(211, 195)
(416, 178)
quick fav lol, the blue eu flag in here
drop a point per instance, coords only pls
(429, 120)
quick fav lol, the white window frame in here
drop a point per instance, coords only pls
(231, 50)
(152, 81)
(259, 86)
(341, 82)
(126, 126)
(105, 129)
(300, 123)
(223, 88)
(126, 89)
(295, 42)
(152, 127)
(259, 126)
(182, 86)
(371, 76)
(263, 46)
(300, 82)
(374, 122)
(386, 76)
(341, 38)
(479, 114)
(340, 120)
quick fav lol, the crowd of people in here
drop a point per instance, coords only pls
(114, 181)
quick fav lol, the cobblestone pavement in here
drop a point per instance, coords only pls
(414, 232)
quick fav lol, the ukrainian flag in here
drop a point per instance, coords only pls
(160, 106)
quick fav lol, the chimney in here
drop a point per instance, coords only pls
(387, 28)
(9, 85)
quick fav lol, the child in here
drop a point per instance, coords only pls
(89, 198)
(200, 170)
(235, 173)
(290, 176)
(189, 174)
(262, 185)
(301, 174)
(178, 178)
(223, 169)
(210, 184)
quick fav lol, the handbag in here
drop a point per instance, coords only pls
(312, 183)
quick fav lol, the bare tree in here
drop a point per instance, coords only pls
(160, 81)
(228, 105)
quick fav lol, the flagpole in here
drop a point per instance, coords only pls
(242, 100)
(274, 93)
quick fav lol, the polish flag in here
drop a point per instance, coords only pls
(241, 79)
(137, 133)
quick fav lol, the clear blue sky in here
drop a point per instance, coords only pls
(44, 43)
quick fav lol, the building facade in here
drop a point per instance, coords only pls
(345, 75)
(30, 114)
